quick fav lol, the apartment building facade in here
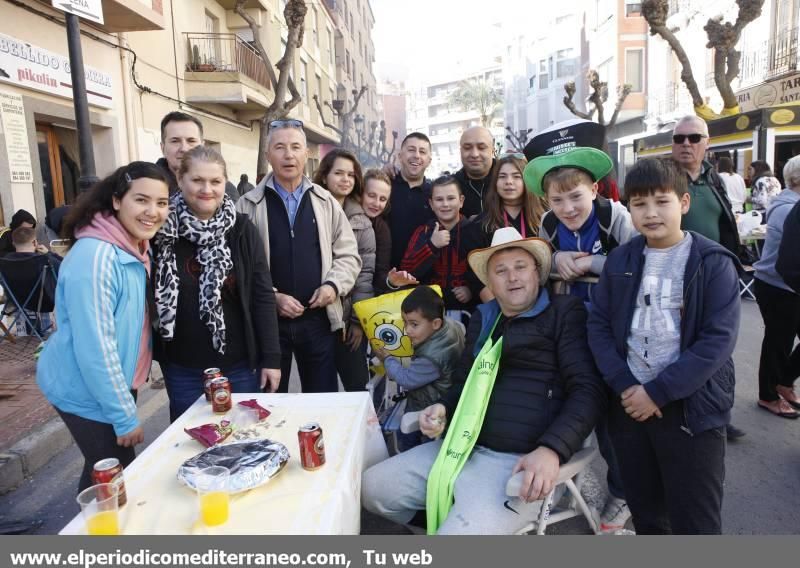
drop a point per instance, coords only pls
(609, 36)
(430, 111)
(541, 57)
(149, 58)
(38, 141)
(769, 77)
(355, 57)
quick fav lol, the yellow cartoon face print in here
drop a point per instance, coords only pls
(385, 330)
(382, 322)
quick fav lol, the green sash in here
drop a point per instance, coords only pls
(462, 432)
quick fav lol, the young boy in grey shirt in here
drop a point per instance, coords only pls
(662, 329)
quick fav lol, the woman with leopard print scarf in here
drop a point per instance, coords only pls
(213, 289)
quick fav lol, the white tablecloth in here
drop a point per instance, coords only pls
(296, 501)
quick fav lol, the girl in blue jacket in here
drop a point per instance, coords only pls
(100, 354)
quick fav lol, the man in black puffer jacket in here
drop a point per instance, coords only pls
(546, 399)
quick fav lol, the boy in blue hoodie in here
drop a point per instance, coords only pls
(583, 228)
(663, 327)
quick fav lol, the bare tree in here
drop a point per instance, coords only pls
(344, 117)
(722, 38)
(597, 99)
(517, 140)
(282, 82)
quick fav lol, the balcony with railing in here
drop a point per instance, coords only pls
(676, 6)
(223, 68)
(674, 98)
(132, 15)
(773, 58)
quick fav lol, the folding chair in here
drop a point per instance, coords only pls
(746, 287)
(3, 328)
(27, 279)
(571, 475)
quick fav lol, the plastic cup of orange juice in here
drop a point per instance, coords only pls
(213, 496)
(100, 509)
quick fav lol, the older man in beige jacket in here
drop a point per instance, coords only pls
(312, 254)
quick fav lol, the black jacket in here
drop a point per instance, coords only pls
(383, 254)
(254, 285)
(474, 191)
(548, 391)
(788, 263)
(173, 181)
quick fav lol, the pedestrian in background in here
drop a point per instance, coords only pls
(764, 186)
(779, 365)
(734, 184)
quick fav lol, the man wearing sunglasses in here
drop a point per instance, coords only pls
(312, 256)
(710, 211)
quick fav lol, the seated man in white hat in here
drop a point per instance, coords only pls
(525, 396)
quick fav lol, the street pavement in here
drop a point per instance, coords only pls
(761, 469)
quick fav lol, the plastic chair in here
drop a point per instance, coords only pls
(570, 474)
(27, 279)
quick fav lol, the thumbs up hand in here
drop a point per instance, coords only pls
(440, 237)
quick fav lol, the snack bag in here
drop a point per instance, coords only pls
(210, 434)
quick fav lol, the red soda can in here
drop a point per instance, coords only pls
(312, 446)
(109, 470)
(221, 401)
(208, 376)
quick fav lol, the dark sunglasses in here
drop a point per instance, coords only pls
(518, 155)
(693, 138)
(286, 123)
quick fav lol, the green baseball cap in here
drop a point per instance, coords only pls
(594, 162)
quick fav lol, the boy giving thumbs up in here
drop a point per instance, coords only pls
(433, 255)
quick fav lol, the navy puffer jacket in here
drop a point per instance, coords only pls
(548, 391)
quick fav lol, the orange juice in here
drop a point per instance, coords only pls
(103, 523)
(214, 507)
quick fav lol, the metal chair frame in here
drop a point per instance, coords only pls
(22, 310)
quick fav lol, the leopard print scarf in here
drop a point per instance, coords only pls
(214, 256)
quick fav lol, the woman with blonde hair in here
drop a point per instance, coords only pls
(213, 289)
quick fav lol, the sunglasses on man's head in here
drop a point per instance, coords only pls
(693, 138)
(286, 123)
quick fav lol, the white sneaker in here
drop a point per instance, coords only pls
(614, 516)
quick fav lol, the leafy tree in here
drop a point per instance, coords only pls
(479, 95)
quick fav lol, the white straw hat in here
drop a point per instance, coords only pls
(509, 237)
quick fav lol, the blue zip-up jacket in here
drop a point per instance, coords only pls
(86, 367)
(703, 376)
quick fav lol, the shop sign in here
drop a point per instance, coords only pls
(87, 9)
(773, 93)
(12, 113)
(27, 65)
